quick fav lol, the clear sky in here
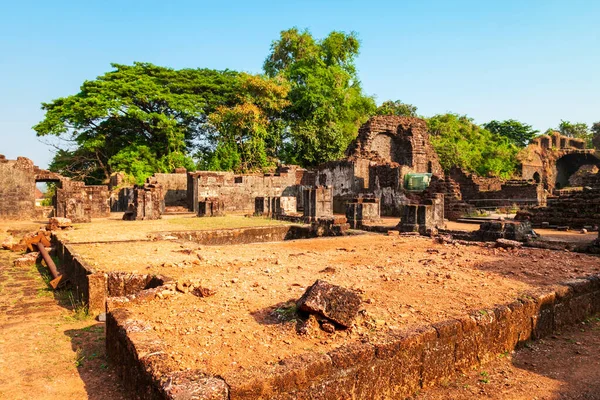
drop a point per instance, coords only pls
(535, 61)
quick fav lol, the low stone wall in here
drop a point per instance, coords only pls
(245, 235)
(88, 284)
(576, 209)
(394, 367)
(93, 287)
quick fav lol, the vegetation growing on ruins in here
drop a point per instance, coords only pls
(517, 132)
(398, 108)
(305, 109)
(460, 142)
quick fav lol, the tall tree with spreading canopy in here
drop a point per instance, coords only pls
(138, 118)
(396, 107)
(517, 132)
(327, 104)
(247, 135)
(460, 142)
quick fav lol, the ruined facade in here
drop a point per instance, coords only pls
(386, 149)
(238, 192)
(553, 159)
(73, 199)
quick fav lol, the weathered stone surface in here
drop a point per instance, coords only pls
(148, 202)
(56, 223)
(508, 244)
(511, 230)
(424, 218)
(333, 302)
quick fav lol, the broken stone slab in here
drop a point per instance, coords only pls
(28, 259)
(333, 302)
(56, 223)
(508, 244)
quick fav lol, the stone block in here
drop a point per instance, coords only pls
(336, 303)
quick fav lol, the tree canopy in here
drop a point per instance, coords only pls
(460, 142)
(517, 132)
(396, 107)
(139, 119)
(326, 101)
(305, 109)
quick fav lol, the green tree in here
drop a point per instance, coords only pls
(327, 104)
(397, 107)
(138, 118)
(578, 130)
(247, 134)
(459, 142)
(517, 132)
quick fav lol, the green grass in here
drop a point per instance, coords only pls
(287, 312)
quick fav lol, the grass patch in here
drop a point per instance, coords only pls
(79, 310)
(287, 312)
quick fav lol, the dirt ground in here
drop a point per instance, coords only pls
(48, 351)
(565, 365)
(249, 322)
(405, 281)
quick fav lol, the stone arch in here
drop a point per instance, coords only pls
(536, 177)
(568, 164)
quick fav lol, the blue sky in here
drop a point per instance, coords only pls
(535, 61)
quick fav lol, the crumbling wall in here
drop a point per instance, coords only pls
(174, 188)
(239, 191)
(81, 203)
(574, 209)
(17, 188)
(552, 159)
(401, 140)
(147, 202)
(425, 217)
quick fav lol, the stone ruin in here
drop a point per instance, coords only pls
(425, 218)
(387, 151)
(363, 210)
(74, 200)
(147, 202)
(211, 207)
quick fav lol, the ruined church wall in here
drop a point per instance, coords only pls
(17, 188)
(174, 188)
(239, 191)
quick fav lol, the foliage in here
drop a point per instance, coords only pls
(49, 194)
(460, 142)
(517, 132)
(397, 107)
(135, 110)
(246, 135)
(327, 104)
(578, 130)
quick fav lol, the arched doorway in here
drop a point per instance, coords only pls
(568, 164)
(536, 177)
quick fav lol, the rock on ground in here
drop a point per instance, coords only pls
(336, 303)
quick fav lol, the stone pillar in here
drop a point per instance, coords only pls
(361, 210)
(318, 202)
(211, 207)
